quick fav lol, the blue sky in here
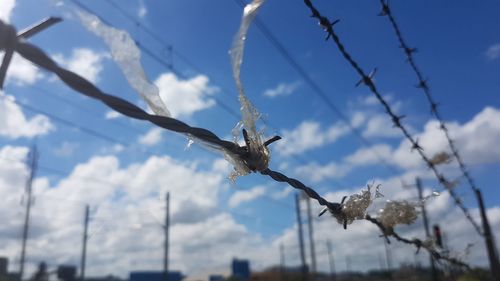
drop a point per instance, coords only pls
(124, 172)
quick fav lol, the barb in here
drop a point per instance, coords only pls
(367, 80)
(424, 86)
(419, 244)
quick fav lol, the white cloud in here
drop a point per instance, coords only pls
(283, 89)
(185, 97)
(493, 52)
(128, 202)
(283, 193)
(142, 11)
(318, 172)
(308, 135)
(83, 61)
(14, 124)
(112, 114)
(380, 125)
(66, 149)
(6, 11)
(152, 137)
(475, 141)
(369, 156)
(22, 72)
(242, 196)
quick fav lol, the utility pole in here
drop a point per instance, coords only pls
(488, 237)
(84, 243)
(426, 226)
(348, 263)
(388, 256)
(311, 235)
(282, 262)
(331, 260)
(166, 227)
(33, 159)
(301, 238)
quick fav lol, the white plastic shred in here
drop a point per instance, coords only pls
(441, 158)
(398, 212)
(356, 205)
(249, 113)
(128, 57)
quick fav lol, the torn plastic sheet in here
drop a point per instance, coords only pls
(128, 57)
(356, 205)
(398, 212)
(249, 113)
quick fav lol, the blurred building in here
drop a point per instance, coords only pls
(155, 276)
(5, 275)
(216, 278)
(104, 278)
(240, 269)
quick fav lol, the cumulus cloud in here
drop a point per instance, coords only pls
(317, 172)
(152, 137)
(112, 114)
(282, 89)
(66, 149)
(474, 139)
(308, 135)
(6, 11)
(83, 61)
(493, 52)
(185, 97)
(243, 196)
(14, 124)
(380, 125)
(127, 202)
(22, 72)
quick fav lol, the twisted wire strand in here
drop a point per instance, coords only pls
(83, 86)
(367, 80)
(419, 244)
(424, 86)
(279, 177)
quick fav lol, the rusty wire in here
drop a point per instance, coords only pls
(367, 80)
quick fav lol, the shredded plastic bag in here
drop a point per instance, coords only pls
(398, 212)
(356, 205)
(128, 57)
(249, 113)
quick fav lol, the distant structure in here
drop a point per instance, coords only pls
(104, 278)
(66, 272)
(4, 264)
(240, 269)
(216, 278)
(155, 276)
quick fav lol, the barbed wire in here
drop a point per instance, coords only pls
(424, 86)
(83, 86)
(419, 244)
(13, 43)
(367, 80)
